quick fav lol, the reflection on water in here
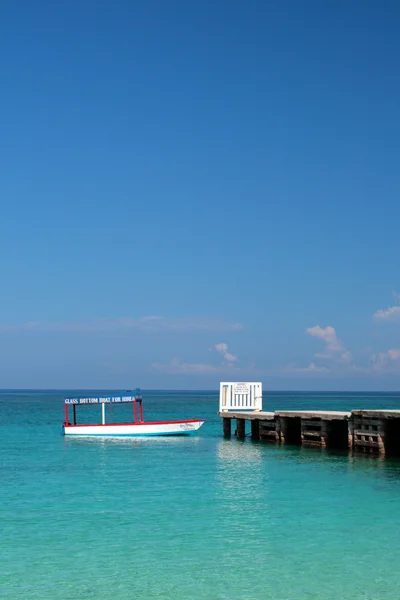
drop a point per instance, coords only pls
(104, 441)
(243, 457)
(241, 479)
(242, 496)
(375, 466)
(233, 451)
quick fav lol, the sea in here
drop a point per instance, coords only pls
(191, 518)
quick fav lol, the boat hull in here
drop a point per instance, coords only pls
(187, 427)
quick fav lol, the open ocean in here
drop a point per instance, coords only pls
(191, 518)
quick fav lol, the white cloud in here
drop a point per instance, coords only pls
(311, 369)
(327, 335)
(222, 348)
(335, 358)
(389, 361)
(346, 356)
(147, 324)
(392, 313)
(335, 349)
(176, 367)
(226, 366)
(394, 354)
(386, 362)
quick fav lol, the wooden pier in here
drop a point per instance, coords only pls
(376, 431)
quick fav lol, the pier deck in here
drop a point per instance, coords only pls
(366, 430)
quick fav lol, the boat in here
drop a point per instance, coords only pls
(137, 427)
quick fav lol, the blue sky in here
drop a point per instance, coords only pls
(195, 192)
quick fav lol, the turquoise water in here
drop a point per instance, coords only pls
(192, 518)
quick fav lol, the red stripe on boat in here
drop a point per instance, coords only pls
(134, 424)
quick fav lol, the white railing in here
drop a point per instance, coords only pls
(240, 396)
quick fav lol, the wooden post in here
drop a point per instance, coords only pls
(227, 427)
(350, 434)
(324, 433)
(255, 429)
(369, 433)
(382, 436)
(269, 430)
(241, 429)
(280, 423)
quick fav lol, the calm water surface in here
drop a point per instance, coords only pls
(191, 518)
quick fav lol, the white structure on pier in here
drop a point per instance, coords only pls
(240, 396)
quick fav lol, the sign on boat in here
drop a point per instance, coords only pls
(136, 427)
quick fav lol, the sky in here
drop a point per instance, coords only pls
(196, 192)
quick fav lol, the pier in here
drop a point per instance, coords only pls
(376, 431)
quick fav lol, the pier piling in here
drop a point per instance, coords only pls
(270, 430)
(240, 429)
(227, 427)
(255, 429)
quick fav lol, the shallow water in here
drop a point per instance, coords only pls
(192, 518)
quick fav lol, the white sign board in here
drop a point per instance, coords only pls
(240, 396)
(241, 388)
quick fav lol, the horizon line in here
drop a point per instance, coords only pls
(214, 390)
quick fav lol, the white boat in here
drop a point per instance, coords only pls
(137, 427)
